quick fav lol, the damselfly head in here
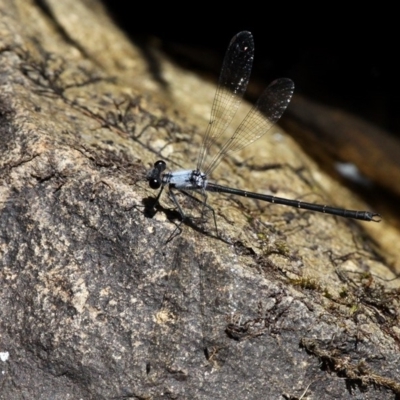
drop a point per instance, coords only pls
(154, 176)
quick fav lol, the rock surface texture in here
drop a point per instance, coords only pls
(102, 297)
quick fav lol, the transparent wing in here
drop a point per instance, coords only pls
(233, 80)
(264, 114)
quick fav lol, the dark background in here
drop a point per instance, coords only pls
(336, 56)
